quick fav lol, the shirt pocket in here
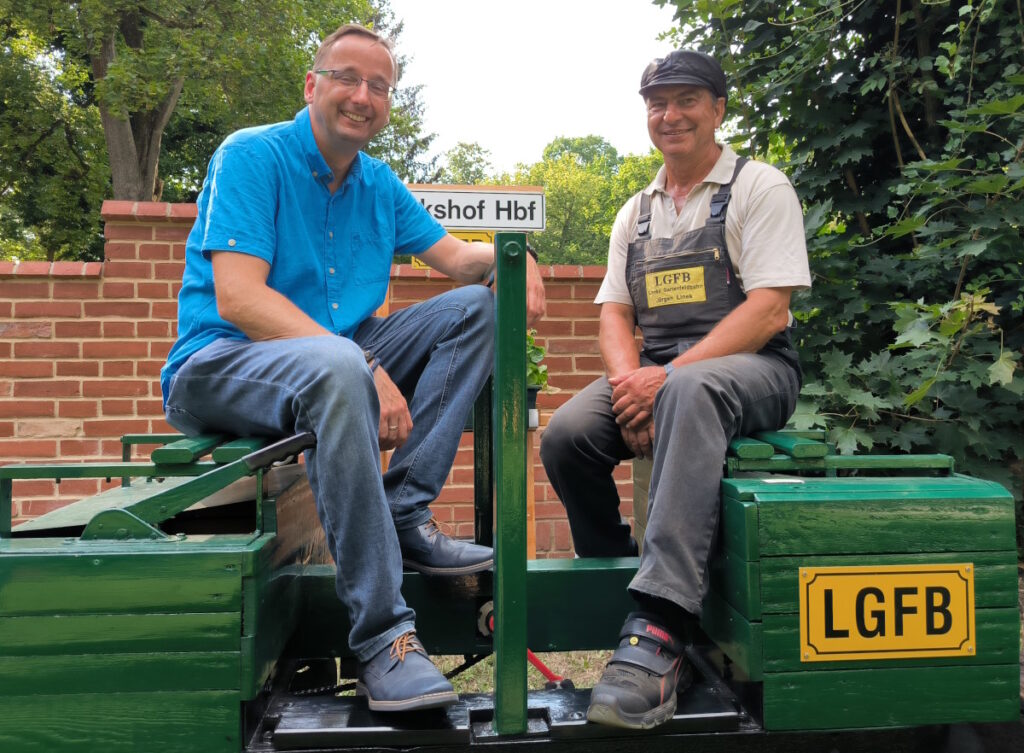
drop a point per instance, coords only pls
(371, 259)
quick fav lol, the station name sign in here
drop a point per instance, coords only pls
(483, 207)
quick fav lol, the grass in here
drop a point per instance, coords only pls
(582, 667)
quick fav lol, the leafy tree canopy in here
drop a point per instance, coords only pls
(902, 122)
(465, 164)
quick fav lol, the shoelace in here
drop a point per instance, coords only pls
(435, 526)
(404, 644)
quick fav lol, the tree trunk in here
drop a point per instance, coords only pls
(133, 143)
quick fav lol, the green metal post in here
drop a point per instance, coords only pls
(6, 503)
(483, 467)
(510, 480)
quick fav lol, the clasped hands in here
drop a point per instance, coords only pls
(633, 405)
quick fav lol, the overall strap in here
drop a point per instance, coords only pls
(643, 222)
(720, 201)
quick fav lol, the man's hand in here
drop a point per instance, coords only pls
(535, 298)
(633, 396)
(640, 441)
(395, 419)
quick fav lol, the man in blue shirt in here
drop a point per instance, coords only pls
(289, 257)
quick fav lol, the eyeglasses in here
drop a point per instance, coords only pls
(350, 80)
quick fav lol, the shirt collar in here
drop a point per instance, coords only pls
(318, 167)
(721, 172)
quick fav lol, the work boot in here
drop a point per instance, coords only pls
(639, 685)
(401, 677)
(427, 549)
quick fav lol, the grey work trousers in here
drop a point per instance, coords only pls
(697, 412)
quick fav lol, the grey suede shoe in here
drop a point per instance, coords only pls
(401, 677)
(428, 549)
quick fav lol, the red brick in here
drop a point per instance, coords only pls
(33, 268)
(26, 330)
(167, 310)
(117, 407)
(79, 448)
(178, 252)
(47, 309)
(78, 368)
(154, 407)
(26, 408)
(115, 428)
(153, 329)
(594, 272)
(113, 330)
(34, 487)
(573, 346)
(6, 428)
(118, 368)
(183, 212)
(121, 251)
(589, 364)
(128, 310)
(585, 327)
(132, 270)
(26, 369)
(155, 251)
(159, 348)
(114, 232)
(28, 448)
(117, 209)
(171, 232)
(6, 309)
(6, 268)
(78, 408)
(115, 388)
(75, 291)
(22, 290)
(115, 349)
(585, 291)
(575, 310)
(118, 290)
(169, 271)
(47, 388)
(75, 269)
(159, 290)
(79, 488)
(76, 330)
(155, 210)
(49, 349)
(148, 368)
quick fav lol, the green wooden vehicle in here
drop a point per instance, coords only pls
(856, 604)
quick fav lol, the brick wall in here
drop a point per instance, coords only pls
(81, 346)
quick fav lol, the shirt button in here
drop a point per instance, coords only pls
(334, 305)
(331, 270)
(231, 242)
(316, 174)
(330, 234)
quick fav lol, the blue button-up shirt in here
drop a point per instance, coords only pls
(266, 195)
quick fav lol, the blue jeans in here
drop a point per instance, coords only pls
(439, 353)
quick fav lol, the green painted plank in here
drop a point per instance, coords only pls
(237, 449)
(739, 639)
(738, 581)
(891, 697)
(186, 450)
(200, 722)
(738, 526)
(271, 612)
(120, 583)
(889, 487)
(243, 544)
(118, 673)
(998, 642)
(995, 575)
(839, 525)
(81, 512)
(113, 633)
(750, 449)
(793, 445)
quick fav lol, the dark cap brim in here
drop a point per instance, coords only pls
(677, 80)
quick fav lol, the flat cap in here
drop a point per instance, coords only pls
(685, 67)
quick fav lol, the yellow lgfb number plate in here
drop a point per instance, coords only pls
(886, 612)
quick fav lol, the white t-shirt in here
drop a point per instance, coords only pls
(764, 227)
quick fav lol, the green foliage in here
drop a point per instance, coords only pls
(903, 123)
(467, 164)
(51, 185)
(536, 372)
(129, 99)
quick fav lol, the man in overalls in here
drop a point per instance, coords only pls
(703, 261)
